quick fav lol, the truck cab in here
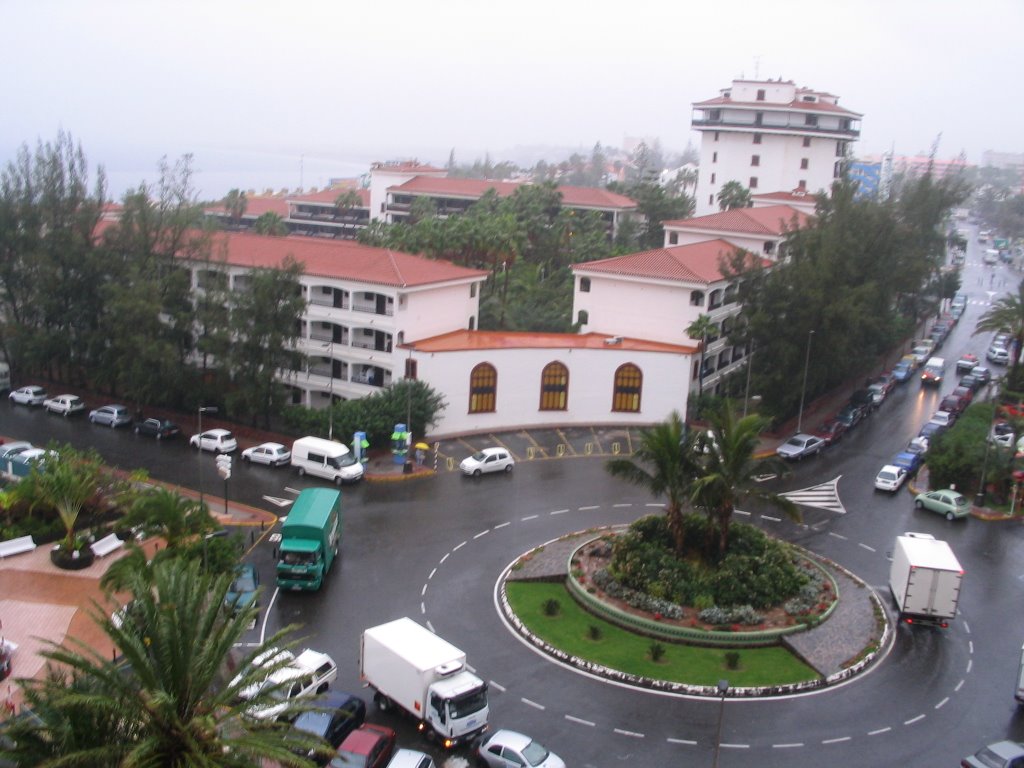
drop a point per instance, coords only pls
(310, 539)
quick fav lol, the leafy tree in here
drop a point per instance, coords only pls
(733, 195)
(347, 200)
(729, 472)
(700, 329)
(663, 464)
(656, 205)
(1006, 314)
(235, 204)
(264, 318)
(172, 699)
(271, 224)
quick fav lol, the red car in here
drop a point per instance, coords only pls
(368, 746)
(831, 431)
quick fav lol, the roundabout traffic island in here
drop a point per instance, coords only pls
(561, 599)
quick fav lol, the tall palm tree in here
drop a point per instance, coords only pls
(1006, 314)
(700, 329)
(271, 224)
(729, 473)
(171, 699)
(346, 201)
(235, 204)
(665, 465)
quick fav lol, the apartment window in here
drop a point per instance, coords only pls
(758, 118)
(554, 387)
(802, 185)
(696, 298)
(673, 238)
(582, 317)
(760, 94)
(807, 141)
(753, 182)
(472, 323)
(411, 368)
(696, 370)
(811, 120)
(711, 197)
(804, 163)
(840, 149)
(715, 115)
(755, 159)
(472, 290)
(716, 135)
(769, 246)
(713, 178)
(757, 138)
(584, 285)
(483, 388)
(714, 157)
(837, 170)
(627, 389)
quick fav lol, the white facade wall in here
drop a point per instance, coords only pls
(432, 311)
(639, 309)
(591, 384)
(748, 243)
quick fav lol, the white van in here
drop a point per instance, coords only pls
(328, 459)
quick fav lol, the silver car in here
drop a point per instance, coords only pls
(112, 416)
(272, 454)
(800, 445)
(488, 460)
(509, 749)
(28, 395)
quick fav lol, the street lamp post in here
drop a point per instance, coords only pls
(330, 389)
(202, 409)
(803, 389)
(723, 688)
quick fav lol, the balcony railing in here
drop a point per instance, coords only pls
(788, 127)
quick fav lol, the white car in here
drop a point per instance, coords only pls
(217, 440)
(488, 460)
(65, 405)
(890, 478)
(28, 396)
(800, 445)
(410, 758)
(305, 675)
(943, 419)
(272, 454)
(998, 355)
(504, 749)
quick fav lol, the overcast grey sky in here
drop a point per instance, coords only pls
(249, 88)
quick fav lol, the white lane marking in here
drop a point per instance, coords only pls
(580, 721)
(913, 720)
(533, 704)
(837, 535)
(880, 730)
(423, 608)
(788, 746)
(735, 746)
(970, 646)
(836, 741)
(771, 519)
(559, 511)
(266, 615)
(431, 574)
(865, 546)
(444, 558)
(501, 525)
(423, 591)
(501, 688)
(588, 509)
(528, 517)
(458, 547)
(632, 734)
(741, 512)
(482, 533)
(654, 504)
(430, 627)
(958, 687)
(687, 742)
(942, 703)
(621, 506)
(970, 663)
(967, 628)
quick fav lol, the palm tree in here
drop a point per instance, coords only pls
(64, 481)
(1006, 314)
(346, 201)
(665, 465)
(701, 328)
(729, 471)
(733, 195)
(165, 513)
(271, 224)
(235, 204)
(172, 699)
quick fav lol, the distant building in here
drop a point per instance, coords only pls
(991, 158)
(760, 230)
(770, 136)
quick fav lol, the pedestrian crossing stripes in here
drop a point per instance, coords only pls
(823, 496)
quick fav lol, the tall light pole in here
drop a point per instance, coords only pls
(723, 688)
(803, 389)
(202, 409)
(330, 388)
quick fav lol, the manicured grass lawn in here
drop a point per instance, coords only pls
(626, 652)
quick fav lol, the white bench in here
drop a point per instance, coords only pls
(16, 546)
(106, 545)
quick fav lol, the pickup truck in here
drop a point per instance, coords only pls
(65, 405)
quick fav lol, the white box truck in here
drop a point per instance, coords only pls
(410, 667)
(925, 580)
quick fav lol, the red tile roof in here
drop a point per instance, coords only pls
(774, 220)
(474, 189)
(339, 259)
(767, 106)
(464, 341)
(329, 195)
(696, 263)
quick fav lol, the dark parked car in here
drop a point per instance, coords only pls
(337, 714)
(158, 428)
(952, 404)
(865, 399)
(909, 461)
(902, 371)
(831, 431)
(850, 416)
(368, 746)
(970, 381)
